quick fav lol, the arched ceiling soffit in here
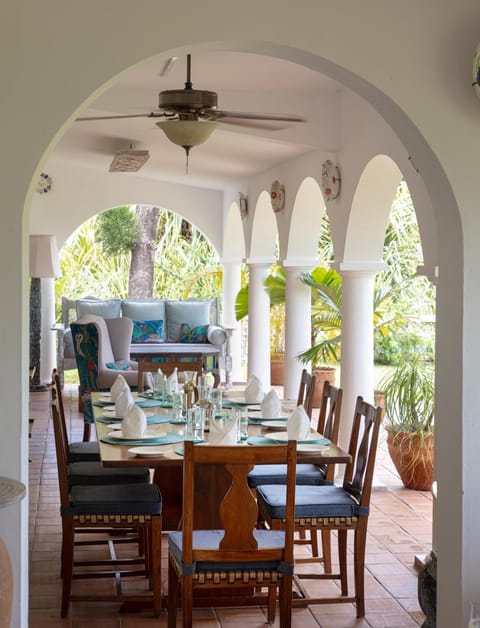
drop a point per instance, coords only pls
(264, 232)
(233, 237)
(370, 210)
(306, 222)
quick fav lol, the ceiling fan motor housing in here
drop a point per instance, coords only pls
(187, 100)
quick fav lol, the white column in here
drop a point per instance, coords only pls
(298, 326)
(47, 336)
(259, 322)
(231, 286)
(357, 374)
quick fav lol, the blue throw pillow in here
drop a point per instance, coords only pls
(147, 332)
(119, 365)
(192, 334)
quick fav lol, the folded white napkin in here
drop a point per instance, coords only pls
(134, 422)
(118, 385)
(271, 405)
(124, 399)
(253, 390)
(298, 424)
(223, 432)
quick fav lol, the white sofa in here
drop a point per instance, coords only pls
(179, 318)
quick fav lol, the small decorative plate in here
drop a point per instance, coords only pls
(44, 183)
(330, 180)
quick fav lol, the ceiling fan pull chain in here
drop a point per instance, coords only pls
(188, 84)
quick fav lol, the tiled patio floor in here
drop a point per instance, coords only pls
(399, 528)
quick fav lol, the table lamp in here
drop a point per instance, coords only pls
(43, 264)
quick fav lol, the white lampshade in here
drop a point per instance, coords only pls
(44, 256)
(187, 132)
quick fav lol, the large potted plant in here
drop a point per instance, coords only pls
(409, 391)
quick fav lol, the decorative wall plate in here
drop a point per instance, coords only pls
(44, 183)
(330, 180)
(476, 71)
(277, 196)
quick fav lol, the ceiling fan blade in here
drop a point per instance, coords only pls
(151, 114)
(265, 125)
(280, 117)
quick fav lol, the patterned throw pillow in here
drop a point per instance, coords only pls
(147, 331)
(191, 334)
(119, 365)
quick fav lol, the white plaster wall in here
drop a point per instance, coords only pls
(417, 55)
(78, 193)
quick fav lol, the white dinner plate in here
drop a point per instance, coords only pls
(314, 448)
(272, 424)
(110, 414)
(283, 436)
(239, 397)
(106, 395)
(151, 452)
(114, 426)
(146, 436)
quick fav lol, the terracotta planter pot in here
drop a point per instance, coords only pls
(277, 371)
(327, 373)
(413, 458)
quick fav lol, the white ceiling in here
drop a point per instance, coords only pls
(243, 82)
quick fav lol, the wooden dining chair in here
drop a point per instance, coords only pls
(328, 425)
(237, 555)
(89, 471)
(335, 508)
(77, 451)
(306, 391)
(151, 366)
(87, 508)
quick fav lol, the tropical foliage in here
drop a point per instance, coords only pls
(183, 267)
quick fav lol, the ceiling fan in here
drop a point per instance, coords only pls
(189, 116)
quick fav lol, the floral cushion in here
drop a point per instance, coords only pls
(192, 334)
(119, 365)
(147, 332)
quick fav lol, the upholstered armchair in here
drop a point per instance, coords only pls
(102, 348)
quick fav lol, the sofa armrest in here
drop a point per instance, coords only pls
(216, 335)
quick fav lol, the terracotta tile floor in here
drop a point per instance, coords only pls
(399, 528)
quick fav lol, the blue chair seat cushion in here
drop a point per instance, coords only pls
(83, 451)
(310, 501)
(277, 474)
(210, 539)
(94, 472)
(115, 499)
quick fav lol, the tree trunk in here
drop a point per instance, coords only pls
(140, 281)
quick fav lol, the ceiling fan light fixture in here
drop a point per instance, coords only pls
(187, 133)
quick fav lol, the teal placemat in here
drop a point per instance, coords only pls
(264, 440)
(163, 440)
(101, 403)
(150, 403)
(226, 403)
(151, 420)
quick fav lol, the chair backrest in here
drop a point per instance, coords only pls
(61, 440)
(238, 510)
(120, 334)
(363, 450)
(329, 420)
(86, 340)
(306, 391)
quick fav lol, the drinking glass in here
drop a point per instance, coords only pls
(190, 377)
(195, 423)
(242, 419)
(159, 381)
(216, 399)
(179, 404)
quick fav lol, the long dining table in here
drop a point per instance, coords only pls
(166, 460)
